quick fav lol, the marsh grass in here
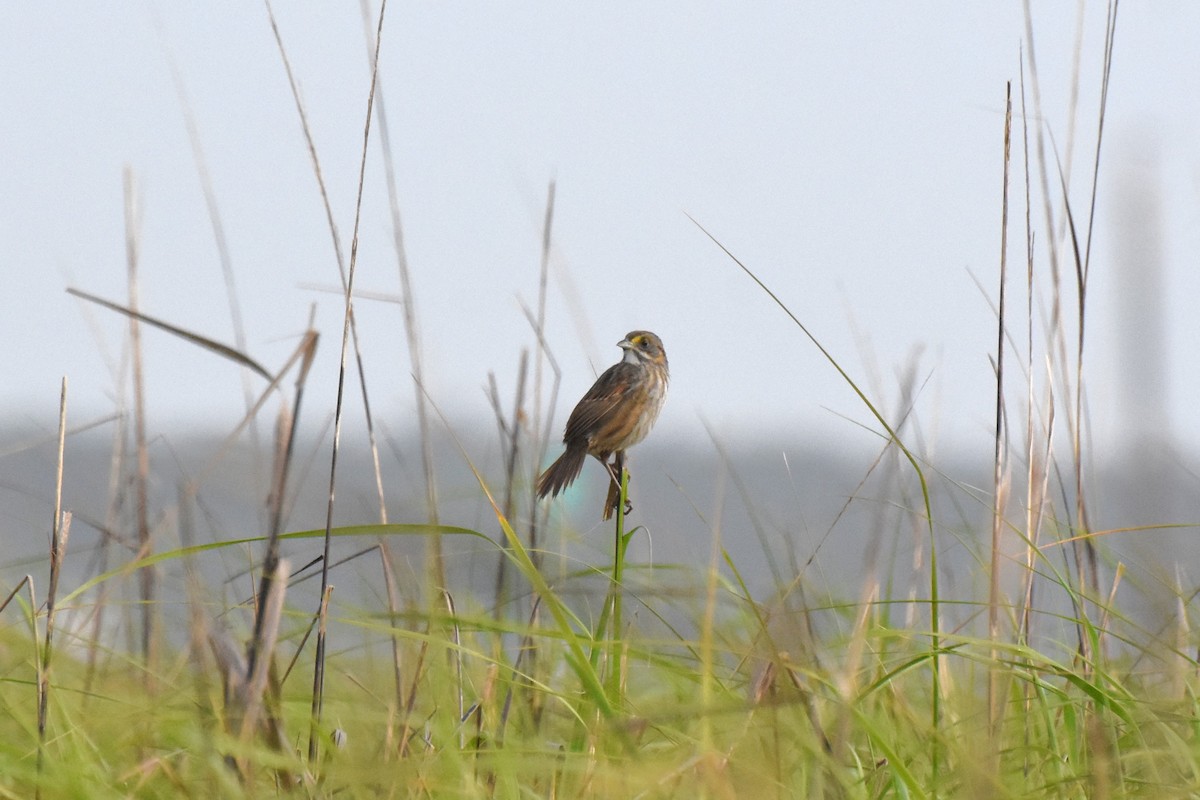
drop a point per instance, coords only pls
(690, 682)
(723, 711)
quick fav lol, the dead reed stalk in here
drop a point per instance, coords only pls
(1000, 477)
(146, 575)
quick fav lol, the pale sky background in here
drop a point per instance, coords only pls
(849, 153)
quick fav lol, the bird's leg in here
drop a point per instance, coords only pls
(611, 469)
(613, 482)
(615, 473)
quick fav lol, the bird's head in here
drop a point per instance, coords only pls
(643, 347)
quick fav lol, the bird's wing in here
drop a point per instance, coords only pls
(600, 401)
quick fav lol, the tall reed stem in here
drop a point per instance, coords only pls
(616, 591)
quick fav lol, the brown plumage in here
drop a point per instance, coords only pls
(615, 414)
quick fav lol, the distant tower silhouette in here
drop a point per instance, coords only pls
(1143, 436)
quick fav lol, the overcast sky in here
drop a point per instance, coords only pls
(848, 153)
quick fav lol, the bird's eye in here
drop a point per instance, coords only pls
(644, 343)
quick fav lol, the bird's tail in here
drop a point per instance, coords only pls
(563, 472)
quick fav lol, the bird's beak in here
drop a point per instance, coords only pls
(625, 344)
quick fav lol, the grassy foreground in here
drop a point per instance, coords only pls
(555, 707)
(684, 684)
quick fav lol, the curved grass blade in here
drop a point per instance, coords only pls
(223, 350)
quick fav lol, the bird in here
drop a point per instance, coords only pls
(615, 414)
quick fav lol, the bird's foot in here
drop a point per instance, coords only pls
(614, 497)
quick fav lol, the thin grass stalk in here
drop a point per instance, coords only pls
(337, 250)
(411, 704)
(59, 530)
(372, 440)
(318, 695)
(1037, 492)
(1074, 83)
(28, 579)
(1106, 614)
(115, 496)
(308, 632)
(708, 622)
(286, 435)
(935, 646)
(513, 431)
(999, 458)
(393, 601)
(487, 700)
(854, 494)
(1054, 327)
(142, 476)
(527, 646)
(848, 685)
(1038, 456)
(1082, 261)
(1110, 32)
(455, 654)
(308, 139)
(224, 257)
(318, 692)
(286, 443)
(1031, 520)
(511, 443)
(540, 319)
(539, 514)
(385, 554)
(40, 682)
(336, 240)
(1084, 548)
(1081, 542)
(897, 486)
(285, 431)
(540, 326)
(542, 433)
(207, 713)
(408, 304)
(1057, 347)
(1180, 664)
(27, 583)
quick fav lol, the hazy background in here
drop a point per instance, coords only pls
(850, 154)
